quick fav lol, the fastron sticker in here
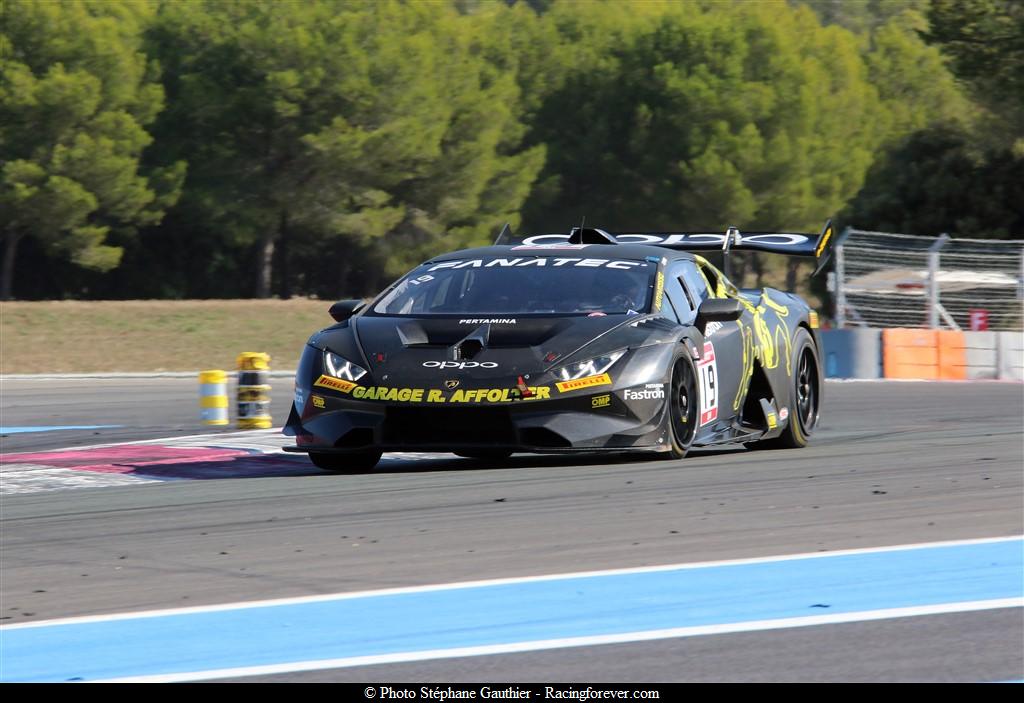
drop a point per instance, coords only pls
(653, 391)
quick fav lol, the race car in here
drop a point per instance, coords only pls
(586, 342)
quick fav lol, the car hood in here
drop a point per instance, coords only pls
(437, 349)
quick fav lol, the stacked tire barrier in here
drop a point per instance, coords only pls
(923, 354)
(213, 397)
(254, 391)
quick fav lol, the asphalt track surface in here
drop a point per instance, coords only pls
(893, 463)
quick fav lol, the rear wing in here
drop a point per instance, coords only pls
(818, 247)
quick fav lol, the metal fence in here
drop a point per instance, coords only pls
(883, 279)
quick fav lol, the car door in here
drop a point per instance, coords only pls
(721, 370)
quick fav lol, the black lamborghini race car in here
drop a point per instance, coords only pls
(580, 342)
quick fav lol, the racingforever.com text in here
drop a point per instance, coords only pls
(448, 693)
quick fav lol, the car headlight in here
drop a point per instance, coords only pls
(339, 367)
(591, 367)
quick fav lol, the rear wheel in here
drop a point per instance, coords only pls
(683, 403)
(806, 397)
(349, 463)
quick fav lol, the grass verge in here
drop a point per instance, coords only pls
(153, 335)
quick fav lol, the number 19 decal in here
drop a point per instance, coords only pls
(707, 370)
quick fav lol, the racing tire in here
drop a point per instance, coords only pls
(806, 398)
(485, 454)
(683, 404)
(354, 463)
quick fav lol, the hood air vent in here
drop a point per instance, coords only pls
(472, 344)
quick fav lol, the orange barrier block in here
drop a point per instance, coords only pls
(952, 355)
(908, 353)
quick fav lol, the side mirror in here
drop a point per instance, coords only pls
(718, 310)
(344, 309)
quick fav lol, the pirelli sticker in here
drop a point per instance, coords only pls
(588, 382)
(335, 384)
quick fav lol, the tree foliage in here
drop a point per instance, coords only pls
(709, 114)
(331, 144)
(379, 123)
(985, 41)
(76, 93)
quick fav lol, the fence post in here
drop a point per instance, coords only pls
(933, 280)
(840, 273)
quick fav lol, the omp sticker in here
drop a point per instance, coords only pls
(707, 370)
(659, 290)
(601, 401)
(318, 402)
(336, 384)
(652, 391)
(588, 382)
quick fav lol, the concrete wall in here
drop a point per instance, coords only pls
(852, 353)
(927, 354)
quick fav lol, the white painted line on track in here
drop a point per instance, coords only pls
(216, 436)
(498, 582)
(590, 641)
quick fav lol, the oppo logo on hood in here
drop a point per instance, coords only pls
(460, 364)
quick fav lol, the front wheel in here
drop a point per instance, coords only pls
(349, 463)
(683, 402)
(806, 396)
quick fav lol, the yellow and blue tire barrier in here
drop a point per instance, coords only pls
(254, 391)
(213, 397)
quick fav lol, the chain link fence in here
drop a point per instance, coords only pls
(882, 279)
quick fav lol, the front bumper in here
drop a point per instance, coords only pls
(623, 409)
(593, 421)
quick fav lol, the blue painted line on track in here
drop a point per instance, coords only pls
(513, 612)
(53, 428)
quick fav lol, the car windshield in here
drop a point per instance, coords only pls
(522, 285)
